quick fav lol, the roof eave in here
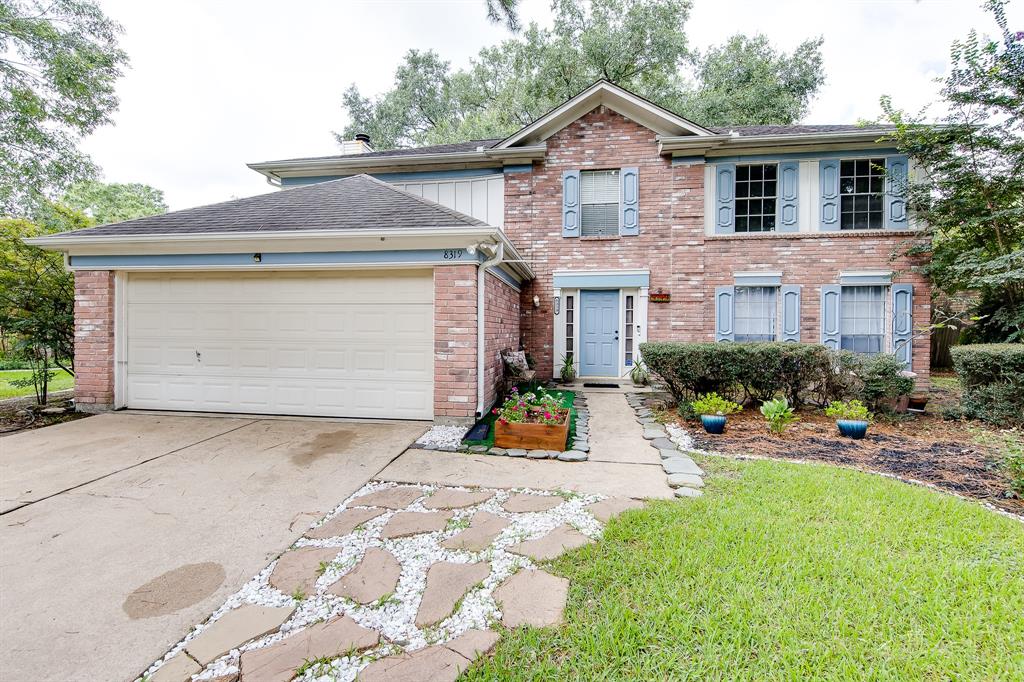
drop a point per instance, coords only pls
(352, 165)
(728, 143)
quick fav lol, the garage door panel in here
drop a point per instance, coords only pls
(332, 344)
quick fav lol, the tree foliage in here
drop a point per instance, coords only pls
(114, 202)
(638, 44)
(505, 12)
(59, 60)
(970, 193)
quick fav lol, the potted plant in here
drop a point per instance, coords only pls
(852, 418)
(535, 420)
(639, 374)
(713, 410)
(779, 415)
(568, 371)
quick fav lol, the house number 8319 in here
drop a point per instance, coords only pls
(454, 254)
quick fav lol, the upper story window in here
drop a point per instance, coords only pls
(754, 314)
(862, 319)
(599, 203)
(756, 193)
(861, 188)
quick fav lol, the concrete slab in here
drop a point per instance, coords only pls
(228, 500)
(641, 481)
(615, 436)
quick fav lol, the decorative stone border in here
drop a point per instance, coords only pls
(443, 438)
(674, 446)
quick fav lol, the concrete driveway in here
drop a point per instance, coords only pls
(120, 531)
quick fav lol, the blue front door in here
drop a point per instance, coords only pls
(599, 338)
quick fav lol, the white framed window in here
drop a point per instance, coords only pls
(861, 189)
(862, 319)
(569, 326)
(756, 195)
(755, 313)
(599, 203)
(628, 341)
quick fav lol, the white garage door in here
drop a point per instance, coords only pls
(339, 344)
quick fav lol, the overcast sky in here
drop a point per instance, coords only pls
(214, 85)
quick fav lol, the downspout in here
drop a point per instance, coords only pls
(481, 368)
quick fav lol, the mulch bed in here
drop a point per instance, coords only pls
(16, 415)
(920, 447)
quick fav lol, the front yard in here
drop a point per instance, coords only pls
(61, 381)
(787, 571)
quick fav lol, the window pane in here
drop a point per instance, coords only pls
(755, 314)
(860, 185)
(861, 319)
(756, 188)
(599, 203)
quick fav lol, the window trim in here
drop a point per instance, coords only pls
(872, 174)
(773, 318)
(774, 214)
(613, 231)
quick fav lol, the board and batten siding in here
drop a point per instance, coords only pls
(482, 198)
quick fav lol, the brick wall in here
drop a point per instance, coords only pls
(454, 343)
(672, 244)
(501, 331)
(94, 340)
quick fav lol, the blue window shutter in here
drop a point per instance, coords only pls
(789, 196)
(830, 301)
(571, 203)
(790, 313)
(725, 198)
(724, 297)
(828, 179)
(895, 187)
(629, 201)
(903, 322)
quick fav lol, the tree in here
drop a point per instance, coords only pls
(970, 193)
(114, 202)
(638, 44)
(505, 12)
(59, 61)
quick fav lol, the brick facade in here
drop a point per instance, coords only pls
(501, 331)
(454, 343)
(94, 340)
(672, 243)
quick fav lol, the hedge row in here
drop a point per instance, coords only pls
(992, 376)
(802, 372)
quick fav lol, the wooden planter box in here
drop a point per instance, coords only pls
(532, 436)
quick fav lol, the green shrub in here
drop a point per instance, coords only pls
(712, 403)
(882, 380)
(779, 414)
(11, 361)
(692, 369)
(853, 410)
(992, 376)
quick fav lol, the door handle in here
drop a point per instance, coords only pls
(616, 335)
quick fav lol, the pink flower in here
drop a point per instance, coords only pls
(547, 415)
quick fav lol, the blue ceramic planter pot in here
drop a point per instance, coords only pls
(851, 428)
(713, 423)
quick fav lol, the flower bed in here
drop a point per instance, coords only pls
(532, 420)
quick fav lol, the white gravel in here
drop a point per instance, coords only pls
(680, 436)
(443, 436)
(395, 618)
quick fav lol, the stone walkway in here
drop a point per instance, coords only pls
(356, 599)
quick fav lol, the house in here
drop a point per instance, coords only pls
(385, 283)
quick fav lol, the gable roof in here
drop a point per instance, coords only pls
(359, 202)
(630, 105)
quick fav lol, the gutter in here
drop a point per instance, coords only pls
(481, 274)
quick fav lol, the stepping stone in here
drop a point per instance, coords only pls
(481, 533)
(344, 523)
(554, 544)
(537, 454)
(179, 669)
(498, 451)
(688, 492)
(662, 444)
(391, 498)
(478, 449)
(447, 583)
(372, 578)
(688, 480)
(404, 524)
(516, 452)
(521, 503)
(298, 569)
(532, 597)
(230, 677)
(669, 454)
(610, 507)
(439, 663)
(234, 629)
(681, 465)
(652, 433)
(278, 662)
(448, 498)
(572, 456)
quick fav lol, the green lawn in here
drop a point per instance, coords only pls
(787, 572)
(566, 400)
(60, 381)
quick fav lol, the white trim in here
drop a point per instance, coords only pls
(637, 271)
(120, 376)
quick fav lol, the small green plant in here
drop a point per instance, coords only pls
(779, 414)
(853, 410)
(298, 594)
(712, 403)
(319, 664)
(639, 374)
(458, 524)
(568, 371)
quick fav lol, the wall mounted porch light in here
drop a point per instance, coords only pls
(257, 258)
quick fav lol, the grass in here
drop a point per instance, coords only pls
(489, 418)
(60, 381)
(787, 572)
